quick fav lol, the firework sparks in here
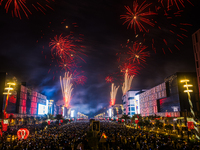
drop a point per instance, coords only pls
(78, 77)
(131, 69)
(109, 79)
(66, 87)
(18, 6)
(113, 94)
(138, 53)
(170, 3)
(138, 15)
(127, 82)
(63, 46)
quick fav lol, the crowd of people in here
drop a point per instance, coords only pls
(78, 135)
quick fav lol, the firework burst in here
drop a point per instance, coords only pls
(137, 53)
(109, 79)
(138, 15)
(66, 49)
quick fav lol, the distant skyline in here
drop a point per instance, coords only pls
(100, 23)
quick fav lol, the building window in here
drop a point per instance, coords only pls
(132, 113)
(132, 108)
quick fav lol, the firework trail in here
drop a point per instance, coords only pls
(127, 82)
(66, 87)
(137, 15)
(113, 94)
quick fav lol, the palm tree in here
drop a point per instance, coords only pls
(126, 117)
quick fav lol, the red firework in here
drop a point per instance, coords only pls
(63, 46)
(132, 68)
(136, 16)
(16, 6)
(78, 77)
(170, 3)
(138, 53)
(66, 64)
(109, 79)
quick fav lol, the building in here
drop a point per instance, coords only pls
(168, 98)
(196, 48)
(22, 101)
(130, 103)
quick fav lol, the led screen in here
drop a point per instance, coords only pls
(41, 109)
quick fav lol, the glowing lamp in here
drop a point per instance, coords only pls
(10, 83)
(7, 93)
(8, 88)
(188, 91)
(186, 80)
(188, 85)
(22, 133)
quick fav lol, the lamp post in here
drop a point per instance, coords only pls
(188, 91)
(9, 88)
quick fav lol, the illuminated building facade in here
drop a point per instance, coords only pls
(22, 101)
(168, 98)
(196, 48)
(131, 103)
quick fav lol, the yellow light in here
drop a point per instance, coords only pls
(137, 56)
(135, 17)
(11, 83)
(6, 93)
(186, 80)
(188, 85)
(188, 91)
(8, 88)
(67, 26)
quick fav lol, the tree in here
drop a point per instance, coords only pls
(126, 117)
(136, 116)
(59, 116)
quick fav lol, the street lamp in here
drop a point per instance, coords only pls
(188, 91)
(9, 88)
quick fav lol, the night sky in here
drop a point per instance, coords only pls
(99, 21)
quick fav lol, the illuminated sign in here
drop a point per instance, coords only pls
(42, 109)
(22, 133)
(72, 113)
